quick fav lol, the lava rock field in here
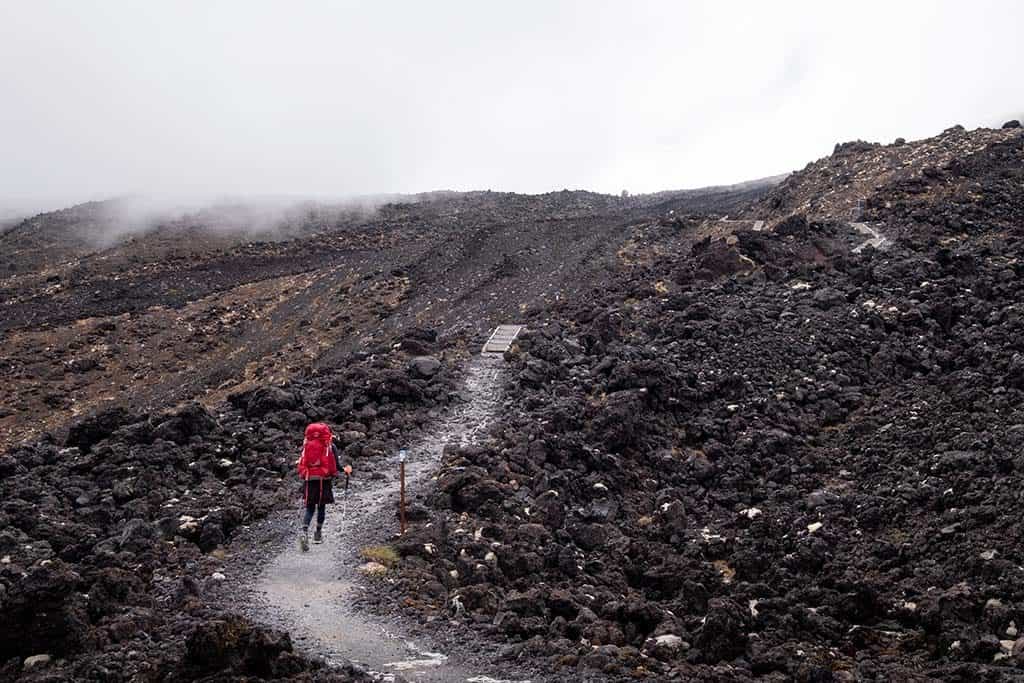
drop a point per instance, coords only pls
(738, 444)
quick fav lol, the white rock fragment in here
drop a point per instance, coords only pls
(811, 528)
(372, 569)
(217, 576)
(35, 660)
(429, 548)
(670, 641)
(988, 555)
(751, 513)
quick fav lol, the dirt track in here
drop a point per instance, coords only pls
(314, 594)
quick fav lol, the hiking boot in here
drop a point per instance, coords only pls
(304, 540)
(318, 537)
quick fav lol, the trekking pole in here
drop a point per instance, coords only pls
(344, 498)
(303, 538)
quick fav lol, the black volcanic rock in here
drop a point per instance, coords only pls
(734, 448)
(47, 613)
(264, 400)
(84, 434)
(234, 645)
(813, 452)
(192, 420)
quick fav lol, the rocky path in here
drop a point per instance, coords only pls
(874, 237)
(312, 594)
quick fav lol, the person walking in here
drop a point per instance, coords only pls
(318, 466)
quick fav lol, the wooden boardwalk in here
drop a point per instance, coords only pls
(501, 339)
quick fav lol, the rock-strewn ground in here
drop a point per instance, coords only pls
(194, 310)
(744, 448)
(112, 543)
(158, 386)
(766, 456)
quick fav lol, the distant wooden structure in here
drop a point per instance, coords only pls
(501, 339)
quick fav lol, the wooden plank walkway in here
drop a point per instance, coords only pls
(501, 339)
(875, 238)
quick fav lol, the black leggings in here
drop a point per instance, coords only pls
(321, 513)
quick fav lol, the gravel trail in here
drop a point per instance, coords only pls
(874, 237)
(312, 594)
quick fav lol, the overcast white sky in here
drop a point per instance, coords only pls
(335, 98)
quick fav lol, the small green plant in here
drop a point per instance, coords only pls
(382, 554)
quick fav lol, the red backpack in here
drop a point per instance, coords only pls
(317, 459)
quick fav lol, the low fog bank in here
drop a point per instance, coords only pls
(264, 216)
(109, 222)
(12, 211)
(106, 223)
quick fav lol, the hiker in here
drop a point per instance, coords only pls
(318, 465)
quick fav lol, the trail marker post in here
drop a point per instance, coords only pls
(401, 489)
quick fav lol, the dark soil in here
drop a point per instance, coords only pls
(188, 312)
(765, 456)
(116, 542)
(730, 449)
(158, 388)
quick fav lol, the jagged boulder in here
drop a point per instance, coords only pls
(233, 644)
(45, 612)
(192, 420)
(723, 635)
(424, 367)
(86, 433)
(265, 400)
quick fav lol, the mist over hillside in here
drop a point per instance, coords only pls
(703, 361)
(105, 224)
(771, 427)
